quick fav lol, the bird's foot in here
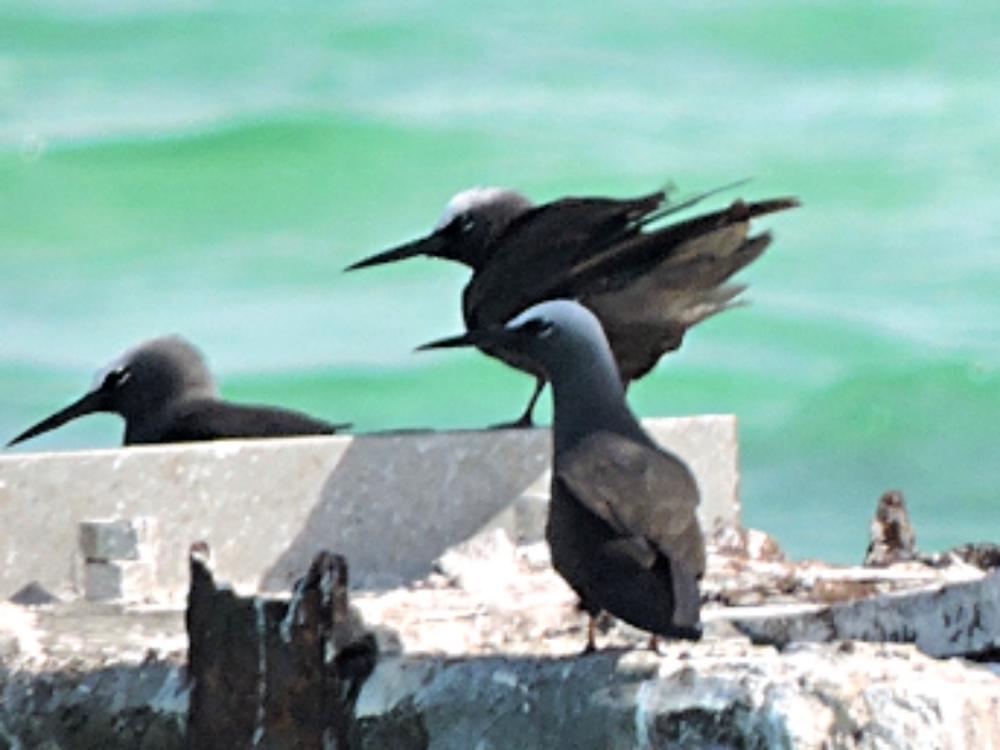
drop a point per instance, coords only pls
(521, 423)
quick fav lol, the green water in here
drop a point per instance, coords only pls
(209, 169)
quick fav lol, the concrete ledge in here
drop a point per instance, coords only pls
(390, 503)
(943, 620)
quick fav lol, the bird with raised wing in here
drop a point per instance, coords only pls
(648, 283)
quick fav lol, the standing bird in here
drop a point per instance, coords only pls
(622, 525)
(892, 538)
(647, 285)
(165, 393)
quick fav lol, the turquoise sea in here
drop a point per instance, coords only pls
(209, 168)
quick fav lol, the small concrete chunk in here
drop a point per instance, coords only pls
(125, 579)
(33, 594)
(119, 539)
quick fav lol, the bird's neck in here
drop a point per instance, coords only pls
(589, 398)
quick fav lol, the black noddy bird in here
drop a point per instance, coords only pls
(647, 284)
(892, 538)
(622, 525)
(166, 394)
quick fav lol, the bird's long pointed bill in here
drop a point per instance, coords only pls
(472, 338)
(423, 246)
(88, 404)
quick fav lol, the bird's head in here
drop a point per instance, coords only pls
(559, 336)
(465, 232)
(140, 382)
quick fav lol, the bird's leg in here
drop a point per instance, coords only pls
(591, 646)
(525, 419)
(654, 643)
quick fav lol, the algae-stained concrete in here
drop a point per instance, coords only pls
(713, 694)
(390, 503)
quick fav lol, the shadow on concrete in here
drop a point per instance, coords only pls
(396, 501)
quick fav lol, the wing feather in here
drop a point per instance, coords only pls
(643, 493)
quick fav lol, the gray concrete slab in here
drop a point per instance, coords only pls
(391, 503)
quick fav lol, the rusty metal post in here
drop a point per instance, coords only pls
(268, 673)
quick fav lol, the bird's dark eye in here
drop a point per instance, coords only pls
(116, 378)
(463, 224)
(536, 327)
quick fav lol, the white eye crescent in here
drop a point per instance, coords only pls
(537, 327)
(116, 378)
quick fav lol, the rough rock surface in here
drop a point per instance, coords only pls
(723, 694)
(486, 653)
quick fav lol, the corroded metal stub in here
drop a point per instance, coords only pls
(274, 673)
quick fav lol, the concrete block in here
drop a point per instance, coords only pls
(710, 446)
(130, 580)
(390, 503)
(119, 539)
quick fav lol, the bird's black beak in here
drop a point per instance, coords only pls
(483, 337)
(91, 402)
(432, 245)
(472, 338)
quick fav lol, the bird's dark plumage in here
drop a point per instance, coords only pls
(647, 285)
(622, 524)
(166, 394)
(892, 537)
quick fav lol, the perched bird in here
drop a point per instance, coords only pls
(647, 285)
(165, 393)
(892, 538)
(622, 525)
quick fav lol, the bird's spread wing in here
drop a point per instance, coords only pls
(651, 289)
(540, 248)
(701, 252)
(582, 247)
(214, 420)
(645, 494)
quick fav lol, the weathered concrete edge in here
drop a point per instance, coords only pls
(817, 695)
(842, 695)
(391, 503)
(953, 619)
